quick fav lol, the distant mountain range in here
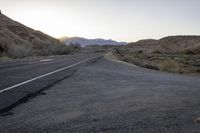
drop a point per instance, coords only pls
(85, 42)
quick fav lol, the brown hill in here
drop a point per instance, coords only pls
(148, 45)
(171, 44)
(17, 40)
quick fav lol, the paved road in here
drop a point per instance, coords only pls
(105, 96)
(35, 75)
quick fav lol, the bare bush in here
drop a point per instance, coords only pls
(19, 51)
(169, 66)
(192, 51)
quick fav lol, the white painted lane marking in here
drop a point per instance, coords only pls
(46, 60)
(50, 73)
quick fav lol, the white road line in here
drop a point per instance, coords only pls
(46, 60)
(50, 73)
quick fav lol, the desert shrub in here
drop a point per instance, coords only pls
(46, 48)
(140, 62)
(121, 51)
(192, 51)
(150, 66)
(4, 58)
(19, 51)
(4, 46)
(139, 52)
(197, 50)
(170, 66)
(75, 47)
(189, 52)
(63, 49)
(2, 49)
(128, 58)
(157, 52)
(131, 59)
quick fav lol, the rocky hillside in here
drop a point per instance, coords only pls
(85, 42)
(17, 40)
(171, 44)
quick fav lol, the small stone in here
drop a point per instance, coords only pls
(197, 120)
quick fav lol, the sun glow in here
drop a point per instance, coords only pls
(48, 21)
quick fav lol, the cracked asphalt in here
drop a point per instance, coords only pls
(110, 97)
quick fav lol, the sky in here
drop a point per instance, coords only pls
(121, 20)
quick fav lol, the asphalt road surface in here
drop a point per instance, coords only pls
(22, 79)
(106, 96)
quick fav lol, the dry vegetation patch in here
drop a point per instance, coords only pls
(175, 63)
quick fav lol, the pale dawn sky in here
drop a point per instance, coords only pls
(121, 20)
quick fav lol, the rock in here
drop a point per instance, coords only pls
(197, 120)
